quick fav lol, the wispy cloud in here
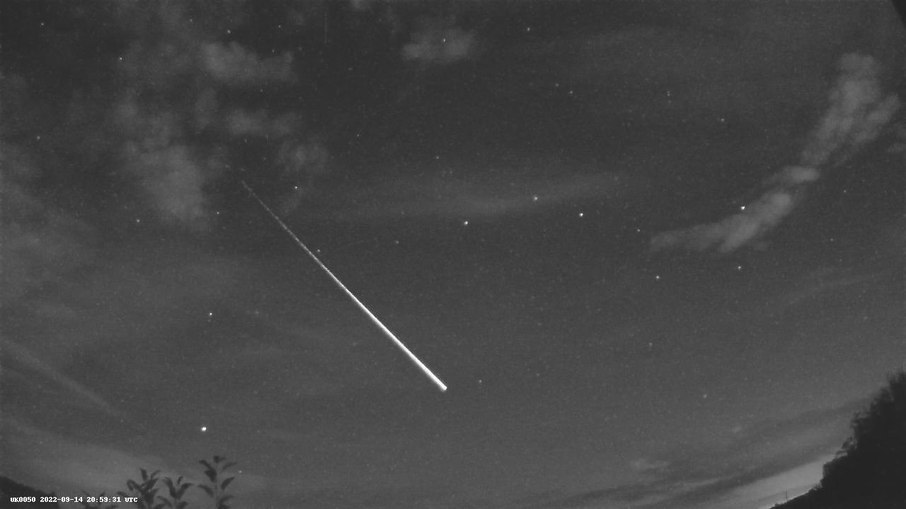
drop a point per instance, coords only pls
(858, 111)
(21, 356)
(827, 281)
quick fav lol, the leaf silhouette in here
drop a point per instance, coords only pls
(170, 487)
(226, 482)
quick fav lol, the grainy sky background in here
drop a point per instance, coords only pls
(654, 248)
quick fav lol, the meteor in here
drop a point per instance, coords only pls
(340, 284)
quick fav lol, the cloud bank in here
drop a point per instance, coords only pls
(755, 468)
(858, 111)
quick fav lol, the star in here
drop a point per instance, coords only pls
(581, 214)
(203, 429)
(465, 223)
(657, 277)
(742, 208)
(534, 197)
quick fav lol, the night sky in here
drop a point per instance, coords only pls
(655, 249)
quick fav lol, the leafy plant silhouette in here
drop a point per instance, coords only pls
(175, 490)
(146, 491)
(217, 483)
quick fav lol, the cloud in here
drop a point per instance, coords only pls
(186, 101)
(759, 465)
(67, 466)
(771, 490)
(439, 41)
(83, 395)
(173, 180)
(825, 281)
(858, 111)
(234, 65)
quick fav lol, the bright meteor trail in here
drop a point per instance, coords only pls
(339, 283)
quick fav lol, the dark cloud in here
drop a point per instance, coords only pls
(858, 111)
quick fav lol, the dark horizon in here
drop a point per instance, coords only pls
(653, 249)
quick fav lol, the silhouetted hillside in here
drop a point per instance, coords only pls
(10, 488)
(869, 472)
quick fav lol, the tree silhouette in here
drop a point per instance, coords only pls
(873, 459)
